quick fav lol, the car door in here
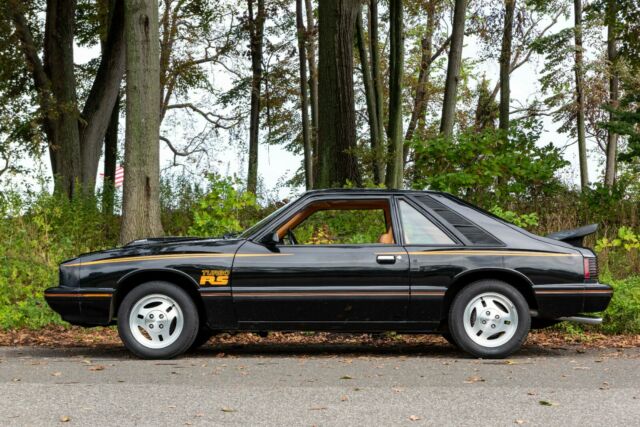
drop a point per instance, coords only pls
(434, 261)
(326, 284)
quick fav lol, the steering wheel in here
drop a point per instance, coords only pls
(292, 237)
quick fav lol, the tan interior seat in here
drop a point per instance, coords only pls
(386, 238)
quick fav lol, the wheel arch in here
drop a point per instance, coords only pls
(176, 277)
(511, 277)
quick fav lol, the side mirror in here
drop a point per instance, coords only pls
(271, 239)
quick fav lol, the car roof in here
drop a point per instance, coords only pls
(373, 191)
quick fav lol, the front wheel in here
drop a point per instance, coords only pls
(489, 319)
(157, 320)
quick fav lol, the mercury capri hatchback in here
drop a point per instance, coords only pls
(343, 261)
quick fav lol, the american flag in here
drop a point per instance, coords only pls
(119, 178)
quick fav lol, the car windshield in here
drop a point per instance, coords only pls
(251, 230)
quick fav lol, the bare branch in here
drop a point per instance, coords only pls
(213, 118)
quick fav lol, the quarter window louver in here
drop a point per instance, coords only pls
(471, 231)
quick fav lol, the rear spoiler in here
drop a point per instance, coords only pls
(576, 236)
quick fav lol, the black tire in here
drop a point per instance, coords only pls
(188, 309)
(203, 336)
(447, 336)
(457, 321)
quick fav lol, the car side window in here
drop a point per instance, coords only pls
(342, 226)
(420, 230)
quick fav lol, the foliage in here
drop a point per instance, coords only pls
(623, 314)
(342, 227)
(224, 209)
(626, 239)
(521, 220)
(620, 256)
(39, 231)
(479, 166)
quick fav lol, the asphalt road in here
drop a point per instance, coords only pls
(313, 385)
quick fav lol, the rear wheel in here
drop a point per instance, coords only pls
(489, 319)
(157, 320)
(447, 336)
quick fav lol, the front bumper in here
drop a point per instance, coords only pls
(84, 307)
(565, 300)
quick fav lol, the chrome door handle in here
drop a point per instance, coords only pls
(386, 259)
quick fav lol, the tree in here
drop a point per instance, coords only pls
(378, 92)
(337, 162)
(304, 97)
(141, 195)
(453, 69)
(310, 38)
(256, 34)
(614, 83)
(370, 96)
(395, 157)
(579, 78)
(505, 64)
(74, 138)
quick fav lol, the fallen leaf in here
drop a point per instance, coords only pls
(547, 403)
(344, 398)
(97, 368)
(226, 409)
(16, 380)
(414, 418)
(199, 415)
(65, 419)
(317, 408)
(56, 374)
(346, 377)
(397, 389)
(531, 393)
(474, 379)
(518, 421)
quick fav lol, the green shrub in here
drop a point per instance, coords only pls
(488, 168)
(623, 314)
(224, 209)
(521, 220)
(39, 231)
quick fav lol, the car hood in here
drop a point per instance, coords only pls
(161, 246)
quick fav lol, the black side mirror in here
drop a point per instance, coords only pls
(271, 239)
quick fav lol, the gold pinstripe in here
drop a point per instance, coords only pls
(482, 253)
(74, 295)
(171, 256)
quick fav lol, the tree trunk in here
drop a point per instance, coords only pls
(395, 158)
(426, 58)
(369, 92)
(304, 97)
(141, 200)
(614, 83)
(58, 64)
(453, 69)
(256, 33)
(313, 84)
(54, 81)
(110, 160)
(505, 65)
(579, 74)
(338, 163)
(96, 114)
(376, 76)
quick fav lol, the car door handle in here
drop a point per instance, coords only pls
(386, 259)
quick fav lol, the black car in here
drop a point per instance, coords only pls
(340, 260)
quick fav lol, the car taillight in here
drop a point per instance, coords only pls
(590, 268)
